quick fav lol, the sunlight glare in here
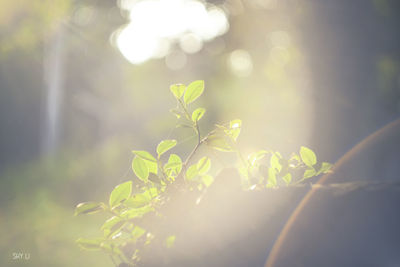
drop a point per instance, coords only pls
(235, 125)
(191, 43)
(156, 25)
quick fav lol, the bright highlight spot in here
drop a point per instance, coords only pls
(155, 25)
(235, 125)
(191, 43)
(240, 63)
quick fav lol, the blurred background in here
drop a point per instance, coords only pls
(82, 83)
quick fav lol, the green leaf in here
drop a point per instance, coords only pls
(174, 164)
(193, 91)
(308, 156)
(192, 172)
(120, 193)
(287, 178)
(256, 156)
(111, 222)
(198, 114)
(169, 242)
(120, 237)
(112, 225)
(150, 161)
(203, 165)
(325, 168)
(140, 168)
(294, 161)
(88, 208)
(144, 155)
(309, 173)
(136, 213)
(152, 166)
(90, 244)
(138, 200)
(207, 180)
(234, 129)
(177, 90)
(274, 161)
(164, 146)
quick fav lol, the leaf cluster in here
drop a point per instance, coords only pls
(159, 171)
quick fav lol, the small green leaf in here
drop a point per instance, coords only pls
(192, 172)
(193, 91)
(274, 161)
(164, 146)
(308, 156)
(325, 168)
(309, 173)
(203, 165)
(120, 193)
(169, 242)
(151, 192)
(88, 208)
(287, 178)
(138, 200)
(140, 168)
(207, 180)
(111, 222)
(198, 114)
(256, 156)
(150, 161)
(152, 166)
(137, 213)
(294, 161)
(112, 225)
(234, 129)
(177, 90)
(174, 164)
(144, 155)
(90, 244)
(233, 133)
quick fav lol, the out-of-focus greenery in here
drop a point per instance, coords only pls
(23, 24)
(322, 74)
(36, 218)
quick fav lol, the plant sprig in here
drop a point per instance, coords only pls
(159, 172)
